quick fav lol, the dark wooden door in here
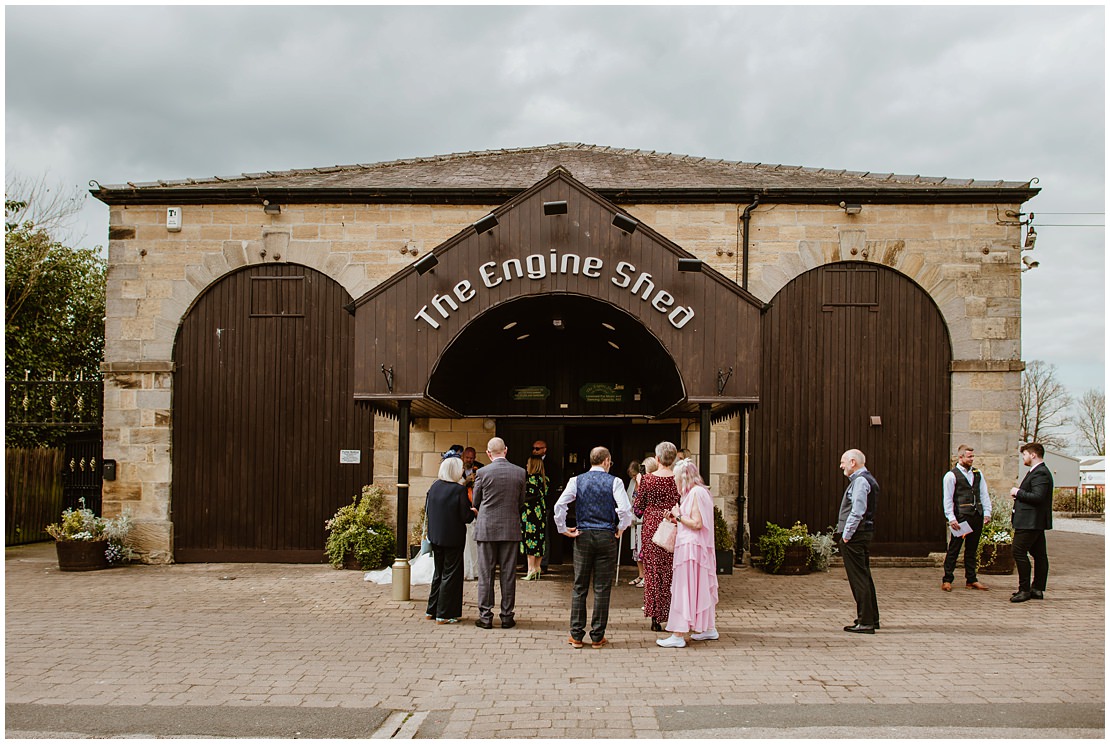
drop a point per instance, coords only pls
(843, 344)
(263, 406)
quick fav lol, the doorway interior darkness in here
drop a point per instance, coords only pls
(568, 453)
(556, 355)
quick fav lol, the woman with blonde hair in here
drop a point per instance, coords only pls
(694, 583)
(533, 542)
(655, 497)
(448, 511)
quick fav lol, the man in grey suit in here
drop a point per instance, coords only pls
(499, 498)
(1032, 516)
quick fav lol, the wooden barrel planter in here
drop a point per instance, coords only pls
(996, 559)
(82, 555)
(795, 561)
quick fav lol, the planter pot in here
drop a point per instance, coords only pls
(724, 561)
(996, 559)
(350, 563)
(795, 561)
(81, 555)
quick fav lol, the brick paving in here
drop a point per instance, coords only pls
(226, 636)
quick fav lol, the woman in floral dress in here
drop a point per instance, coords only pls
(655, 497)
(534, 542)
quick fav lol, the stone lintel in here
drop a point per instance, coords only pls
(986, 365)
(133, 366)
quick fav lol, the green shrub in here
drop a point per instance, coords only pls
(361, 529)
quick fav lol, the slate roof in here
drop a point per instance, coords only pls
(608, 170)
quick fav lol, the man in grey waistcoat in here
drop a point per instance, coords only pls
(499, 498)
(856, 527)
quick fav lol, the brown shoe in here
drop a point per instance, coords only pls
(978, 585)
(574, 643)
(600, 644)
(946, 586)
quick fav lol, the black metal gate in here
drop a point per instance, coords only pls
(82, 469)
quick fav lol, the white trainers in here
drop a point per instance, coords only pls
(709, 635)
(671, 642)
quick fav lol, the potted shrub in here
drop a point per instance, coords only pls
(996, 554)
(86, 542)
(359, 536)
(785, 551)
(723, 542)
(822, 548)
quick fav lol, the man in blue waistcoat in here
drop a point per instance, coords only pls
(603, 512)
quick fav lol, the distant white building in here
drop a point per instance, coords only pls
(1092, 472)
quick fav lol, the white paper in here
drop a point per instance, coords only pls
(965, 529)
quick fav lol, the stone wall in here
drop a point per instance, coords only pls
(960, 254)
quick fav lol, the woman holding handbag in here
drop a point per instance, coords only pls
(655, 497)
(694, 583)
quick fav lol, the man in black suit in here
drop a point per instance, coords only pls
(1032, 516)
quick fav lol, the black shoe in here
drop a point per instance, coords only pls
(655, 626)
(1036, 593)
(1021, 597)
(506, 624)
(870, 629)
(487, 624)
(876, 626)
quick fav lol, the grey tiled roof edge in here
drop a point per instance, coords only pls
(599, 167)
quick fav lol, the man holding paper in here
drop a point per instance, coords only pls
(967, 506)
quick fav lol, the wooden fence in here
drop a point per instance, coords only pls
(33, 493)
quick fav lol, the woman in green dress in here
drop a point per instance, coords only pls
(532, 519)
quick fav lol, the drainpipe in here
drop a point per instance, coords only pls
(746, 218)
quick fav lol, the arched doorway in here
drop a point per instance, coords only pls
(262, 409)
(854, 355)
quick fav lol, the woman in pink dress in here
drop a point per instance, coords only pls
(655, 497)
(694, 584)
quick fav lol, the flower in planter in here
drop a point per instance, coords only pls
(81, 525)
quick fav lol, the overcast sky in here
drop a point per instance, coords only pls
(137, 93)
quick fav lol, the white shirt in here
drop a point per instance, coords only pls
(949, 486)
(570, 493)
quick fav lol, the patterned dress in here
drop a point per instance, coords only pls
(532, 521)
(655, 497)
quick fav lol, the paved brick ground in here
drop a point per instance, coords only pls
(219, 637)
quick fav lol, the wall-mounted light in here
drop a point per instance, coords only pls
(426, 264)
(851, 208)
(689, 264)
(876, 420)
(1029, 264)
(627, 224)
(486, 223)
(555, 207)
(1030, 238)
(558, 323)
(270, 209)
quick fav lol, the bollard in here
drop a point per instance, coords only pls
(401, 580)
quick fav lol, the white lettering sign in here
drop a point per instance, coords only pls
(536, 267)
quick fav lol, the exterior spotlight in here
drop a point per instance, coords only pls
(851, 208)
(1029, 264)
(426, 264)
(555, 207)
(1030, 238)
(627, 224)
(486, 223)
(270, 209)
(689, 264)
(558, 323)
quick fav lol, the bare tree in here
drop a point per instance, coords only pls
(1090, 421)
(48, 207)
(1044, 405)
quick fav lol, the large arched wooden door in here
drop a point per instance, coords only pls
(262, 408)
(854, 355)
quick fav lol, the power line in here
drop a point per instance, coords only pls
(1051, 224)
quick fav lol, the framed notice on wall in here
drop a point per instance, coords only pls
(350, 457)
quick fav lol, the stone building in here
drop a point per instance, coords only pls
(268, 333)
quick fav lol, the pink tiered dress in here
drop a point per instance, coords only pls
(694, 583)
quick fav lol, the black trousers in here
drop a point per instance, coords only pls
(445, 599)
(857, 564)
(1031, 543)
(970, 544)
(595, 558)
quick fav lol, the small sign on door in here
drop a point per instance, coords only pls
(350, 457)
